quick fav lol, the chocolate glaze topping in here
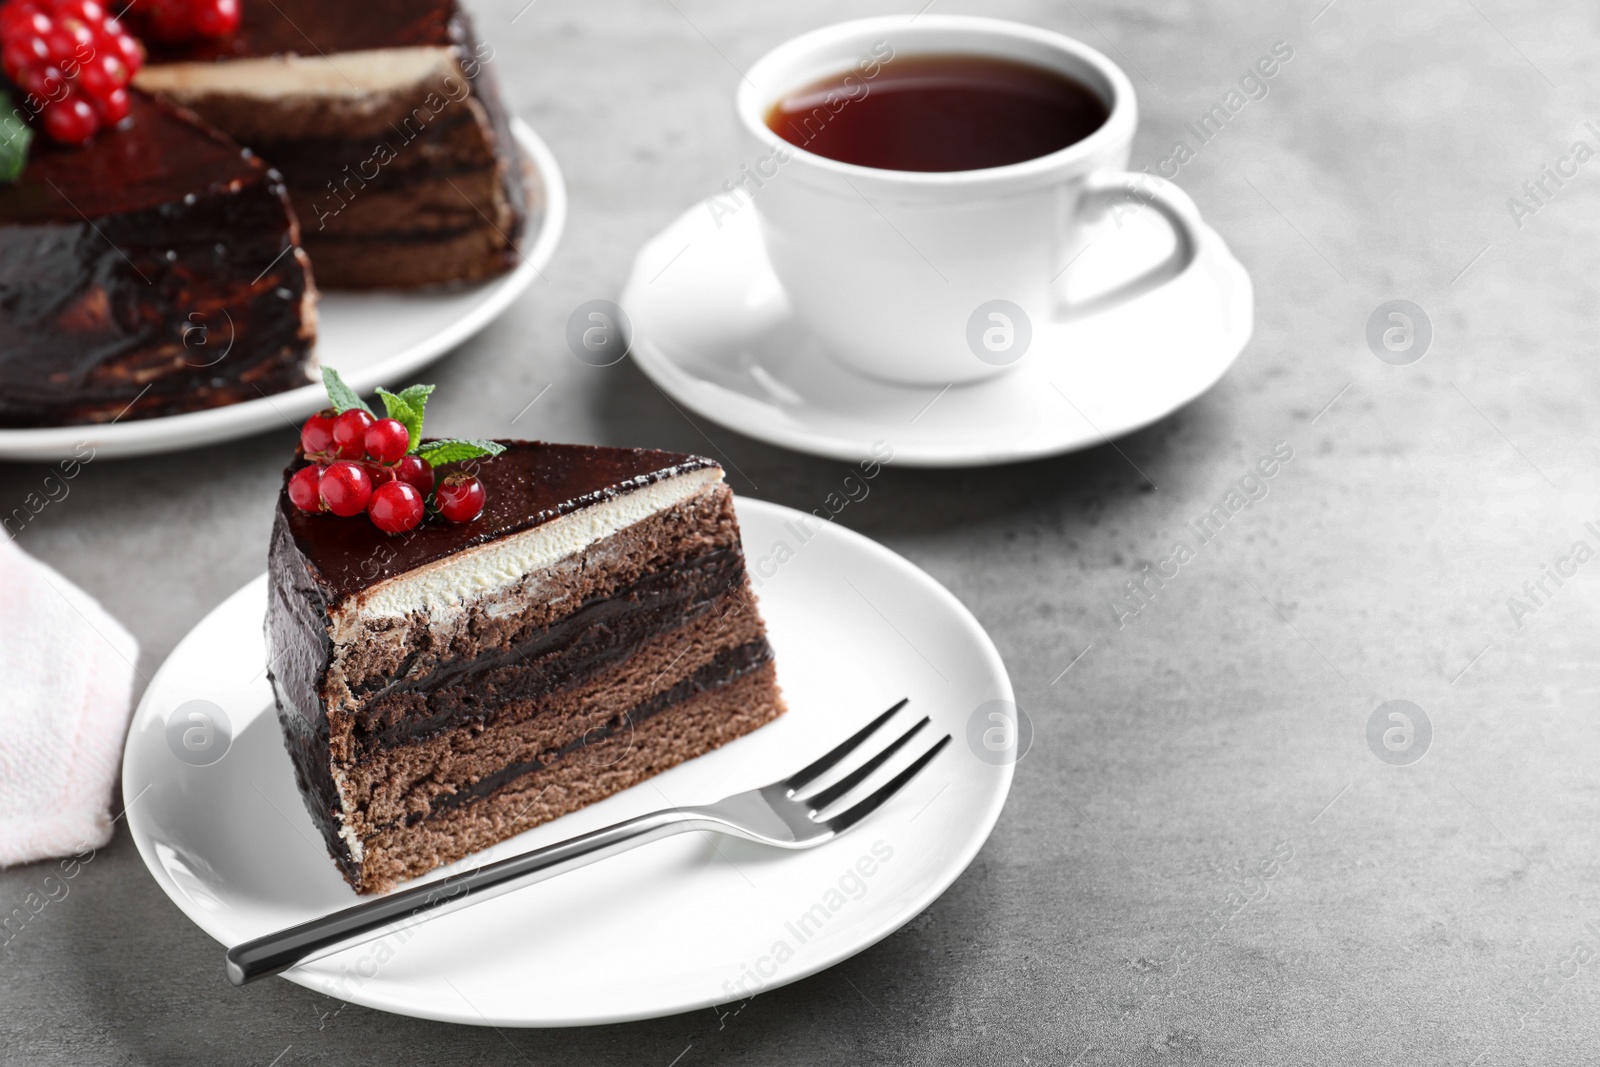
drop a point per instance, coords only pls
(529, 484)
(147, 273)
(159, 156)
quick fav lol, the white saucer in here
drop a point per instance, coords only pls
(372, 338)
(712, 327)
(676, 925)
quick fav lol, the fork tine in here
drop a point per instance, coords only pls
(804, 777)
(857, 776)
(843, 821)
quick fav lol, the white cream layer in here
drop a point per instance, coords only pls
(446, 585)
(357, 74)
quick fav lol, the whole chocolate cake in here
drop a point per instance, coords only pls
(154, 271)
(445, 688)
(383, 117)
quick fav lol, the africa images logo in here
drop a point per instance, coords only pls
(999, 332)
(1399, 732)
(1399, 332)
(199, 732)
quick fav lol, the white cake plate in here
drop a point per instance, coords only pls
(676, 925)
(373, 339)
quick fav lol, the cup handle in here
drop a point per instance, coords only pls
(1153, 192)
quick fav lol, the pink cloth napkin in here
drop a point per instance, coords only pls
(66, 682)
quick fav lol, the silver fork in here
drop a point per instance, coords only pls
(771, 815)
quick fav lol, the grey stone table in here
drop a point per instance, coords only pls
(1203, 860)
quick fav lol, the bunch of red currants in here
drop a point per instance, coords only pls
(364, 464)
(73, 59)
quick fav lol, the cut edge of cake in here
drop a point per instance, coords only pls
(400, 160)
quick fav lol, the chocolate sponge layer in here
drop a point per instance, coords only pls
(529, 723)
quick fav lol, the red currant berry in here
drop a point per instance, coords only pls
(103, 75)
(395, 507)
(22, 20)
(47, 83)
(350, 433)
(87, 10)
(214, 18)
(71, 120)
(113, 107)
(378, 474)
(168, 19)
(415, 472)
(460, 497)
(129, 49)
(316, 436)
(303, 491)
(70, 38)
(387, 440)
(176, 20)
(345, 488)
(22, 54)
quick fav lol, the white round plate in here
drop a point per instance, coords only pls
(680, 924)
(713, 328)
(372, 339)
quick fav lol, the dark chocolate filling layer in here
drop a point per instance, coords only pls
(729, 665)
(603, 631)
(310, 163)
(396, 238)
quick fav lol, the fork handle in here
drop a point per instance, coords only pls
(315, 938)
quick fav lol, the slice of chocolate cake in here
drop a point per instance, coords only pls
(386, 124)
(443, 689)
(154, 271)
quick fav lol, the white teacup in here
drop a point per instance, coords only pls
(919, 277)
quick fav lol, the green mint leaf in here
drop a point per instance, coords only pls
(395, 406)
(343, 397)
(416, 397)
(404, 413)
(15, 136)
(438, 453)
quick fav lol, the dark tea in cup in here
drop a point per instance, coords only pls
(939, 113)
